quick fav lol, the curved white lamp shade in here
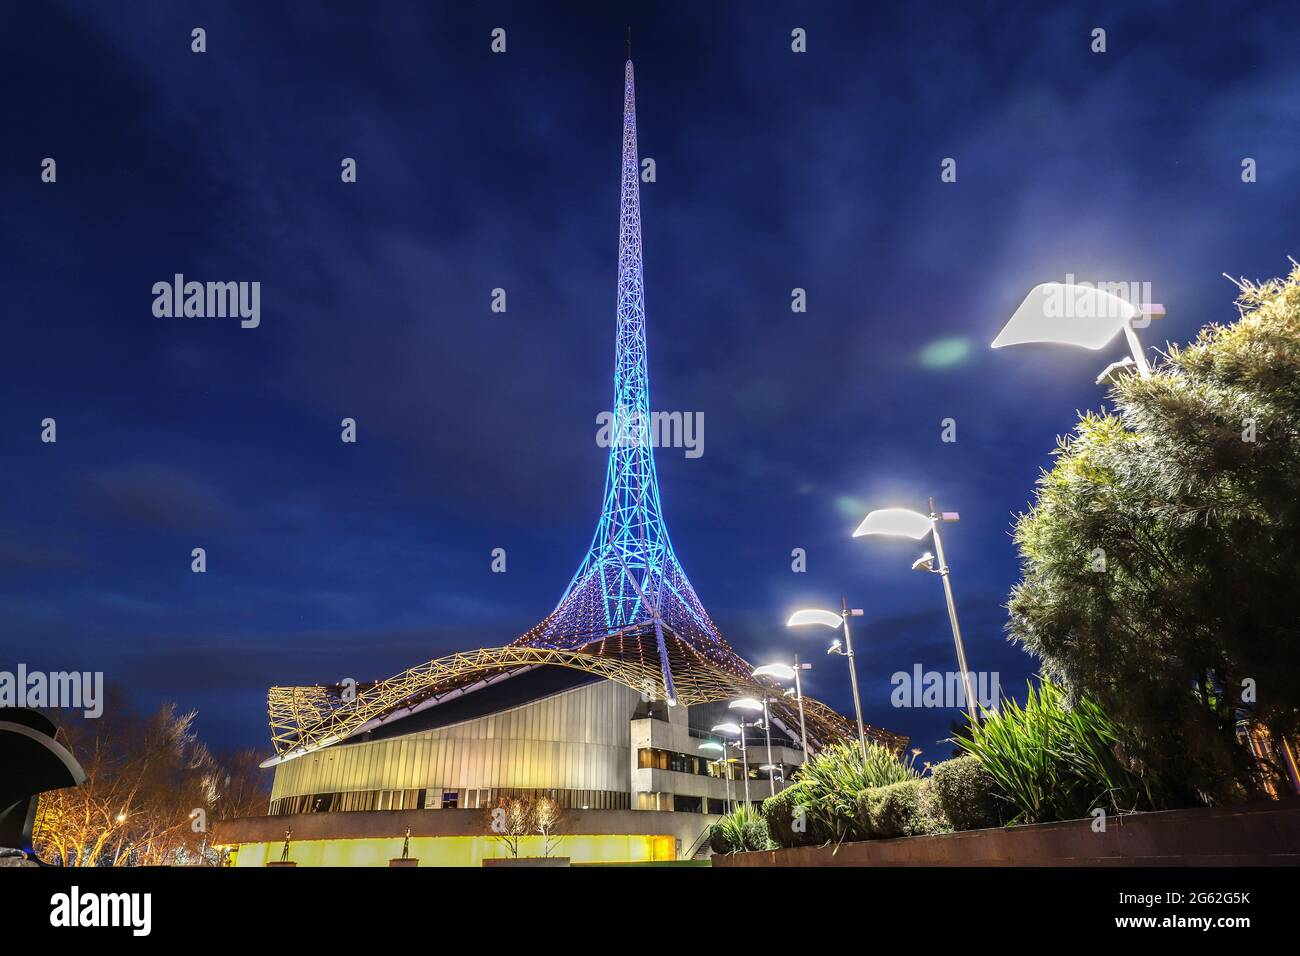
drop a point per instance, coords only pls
(746, 703)
(895, 521)
(814, 616)
(775, 671)
(713, 745)
(732, 729)
(1068, 315)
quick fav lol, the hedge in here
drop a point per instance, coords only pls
(969, 796)
(781, 812)
(902, 809)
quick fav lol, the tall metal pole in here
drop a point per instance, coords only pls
(853, 673)
(726, 779)
(744, 759)
(798, 696)
(935, 521)
(767, 729)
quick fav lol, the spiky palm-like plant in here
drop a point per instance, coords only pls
(1052, 761)
(742, 829)
(829, 785)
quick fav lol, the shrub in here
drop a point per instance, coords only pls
(780, 812)
(868, 811)
(755, 836)
(1054, 762)
(718, 840)
(904, 809)
(968, 795)
(831, 782)
(739, 830)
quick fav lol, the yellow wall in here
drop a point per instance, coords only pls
(461, 850)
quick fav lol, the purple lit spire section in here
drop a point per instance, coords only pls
(630, 575)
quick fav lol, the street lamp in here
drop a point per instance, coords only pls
(902, 522)
(841, 620)
(722, 767)
(733, 730)
(1078, 315)
(786, 672)
(754, 706)
(773, 769)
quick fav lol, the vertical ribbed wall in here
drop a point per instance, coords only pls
(575, 740)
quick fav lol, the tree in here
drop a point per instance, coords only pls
(145, 779)
(1160, 557)
(546, 816)
(151, 789)
(243, 787)
(510, 820)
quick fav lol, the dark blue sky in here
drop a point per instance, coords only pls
(478, 171)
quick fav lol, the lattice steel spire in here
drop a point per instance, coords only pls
(628, 614)
(630, 583)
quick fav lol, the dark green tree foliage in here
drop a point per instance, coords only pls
(1161, 557)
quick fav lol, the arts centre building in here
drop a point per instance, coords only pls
(608, 707)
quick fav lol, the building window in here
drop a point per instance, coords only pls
(684, 804)
(435, 798)
(651, 758)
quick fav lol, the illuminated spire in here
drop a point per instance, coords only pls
(630, 582)
(629, 610)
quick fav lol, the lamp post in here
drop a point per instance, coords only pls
(754, 706)
(722, 767)
(738, 745)
(773, 769)
(786, 672)
(1079, 315)
(841, 620)
(737, 729)
(912, 524)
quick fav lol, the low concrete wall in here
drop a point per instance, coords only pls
(1251, 835)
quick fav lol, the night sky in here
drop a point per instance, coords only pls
(476, 430)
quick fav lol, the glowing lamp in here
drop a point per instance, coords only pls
(895, 521)
(1067, 315)
(814, 616)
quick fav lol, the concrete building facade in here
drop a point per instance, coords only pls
(628, 773)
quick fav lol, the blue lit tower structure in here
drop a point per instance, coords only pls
(630, 592)
(629, 615)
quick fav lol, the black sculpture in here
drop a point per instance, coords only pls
(31, 762)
